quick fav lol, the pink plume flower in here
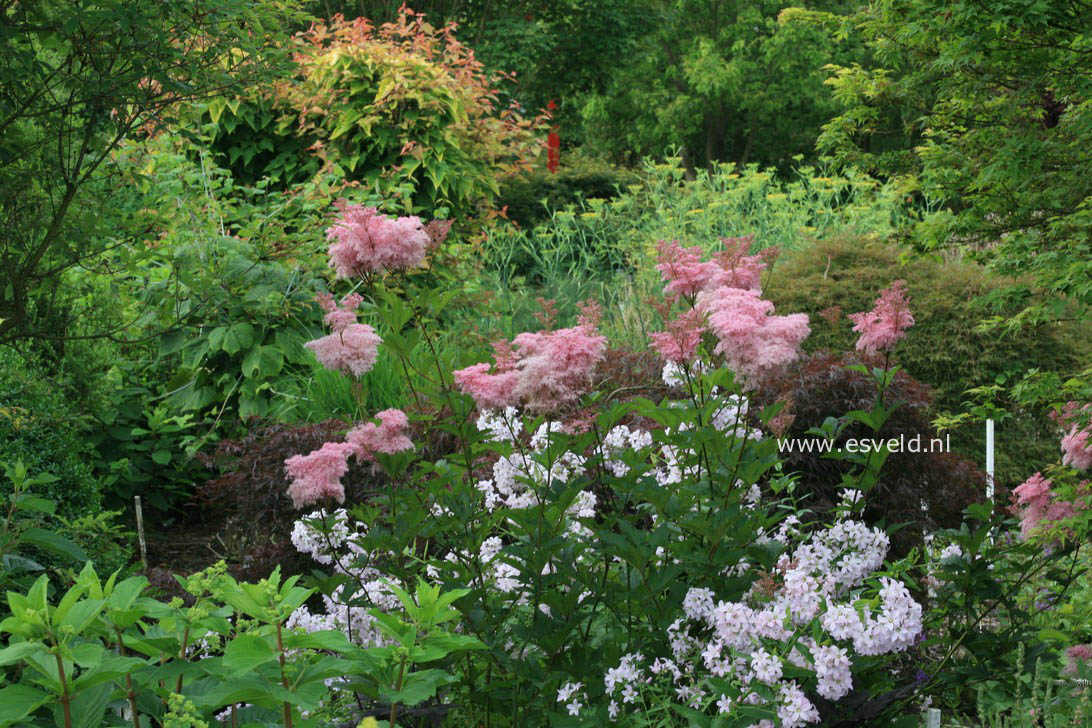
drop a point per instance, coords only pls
(736, 268)
(1077, 442)
(1034, 501)
(387, 437)
(352, 348)
(317, 475)
(887, 322)
(750, 337)
(683, 269)
(1077, 654)
(555, 367)
(490, 391)
(679, 343)
(351, 351)
(366, 242)
(545, 371)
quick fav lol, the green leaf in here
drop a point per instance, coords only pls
(265, 361)
(54, 542)
(419, 687)
(83, 614)
(19, 651)
(246, 652)
(19, 701)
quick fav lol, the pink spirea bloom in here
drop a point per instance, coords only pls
(1077, 442)
(887, 322)
(736, 268)
(351, 351)
(490, 391)
(749, 336)
(683, 269)
(339, 316)
(679, 342)
(388, 437)
(543, 370)
(1034, 501)
(352, 348)
(1076, 655)
(317, 475)
(366, 242)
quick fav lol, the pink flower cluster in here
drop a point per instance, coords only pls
(317, 475)
(749, 336)
(1077, 655)
(1077, 442)
(885, 325)
(726, 293)
(352, 347)
(1035, 502)
(366, 242)
(687, 275)
(542, 370)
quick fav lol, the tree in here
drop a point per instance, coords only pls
(722, 80)
(983, 112)
(77, 77)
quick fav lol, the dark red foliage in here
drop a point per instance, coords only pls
(821, 386)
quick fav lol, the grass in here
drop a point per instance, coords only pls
(605, 250)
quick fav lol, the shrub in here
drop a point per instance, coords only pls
(529, 199)
(947, 349)
(246, 502)
(929, 490)
(40, 428)
(404, 109)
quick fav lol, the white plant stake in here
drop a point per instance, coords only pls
(989, 459)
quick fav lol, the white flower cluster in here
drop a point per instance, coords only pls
(515, 476)
(572, 694)
(335, 545)
(621, 439)
(808, 599)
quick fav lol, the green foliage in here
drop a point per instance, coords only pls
(948, 349)
(39, 427)
(528, 200)
(25, 533)
(101, 644)
(226, 288)
(984, 624)
(404, 110)
(721, 82)
(78, 79)
(605, 250)
(992, 108)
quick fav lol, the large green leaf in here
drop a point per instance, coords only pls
(246, 652)
(54, 542)
(19, 701)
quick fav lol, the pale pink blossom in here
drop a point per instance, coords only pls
(542, 370)
(317, 475)
(683, 270)
(885, 325)
(388, 437)
(351, 351)
(339, 316)
(736, 268)
(1076, 655)
(679, 343)
(366, 242)
(1036, 505)
(352, 348)
(750, 337)
(1077, 442)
